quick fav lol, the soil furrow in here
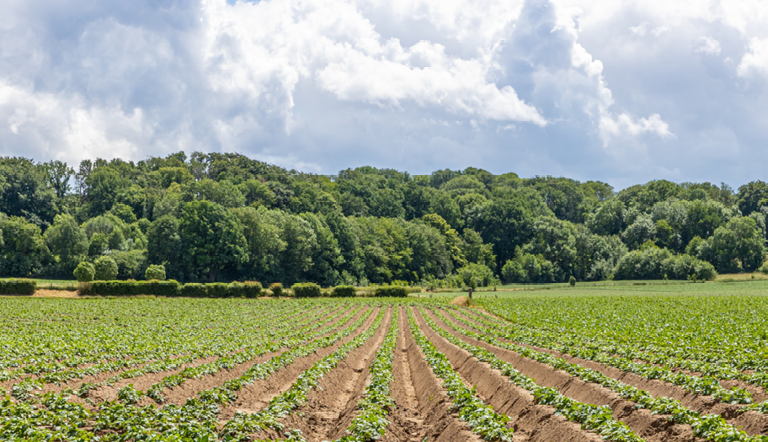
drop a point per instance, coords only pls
(421, 406)
(255, 397)
(645, 424)
(751, 422)
(330, 408)
(532, 422)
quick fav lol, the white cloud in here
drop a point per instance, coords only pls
(336, 83)
(624, 125)
(756, 59)
(708, 45)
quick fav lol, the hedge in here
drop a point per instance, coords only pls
(193, 290)
(130, 288)
(217, 290)
(344, 291)
(306, 290)
(391, 291)
(249, 289)
(17, 287)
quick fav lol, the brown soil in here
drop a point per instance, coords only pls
(189, 389)
(646, 425)
(256, 396)
(531, 422)
(54, 294)
(753, 423)
(331, 407)
(422, 407)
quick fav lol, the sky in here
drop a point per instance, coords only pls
(617, 91)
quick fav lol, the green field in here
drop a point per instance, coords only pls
(351, 369)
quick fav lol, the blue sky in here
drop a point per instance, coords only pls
(623, 92)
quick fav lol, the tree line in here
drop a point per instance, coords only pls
(224, 217)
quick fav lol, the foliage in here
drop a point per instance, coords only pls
(225, 217)
(306, 290)
(17, 287)
(276, 289)
(156, 272)
(85, 272)
(105, 269)
(344, 291)
(391, 291)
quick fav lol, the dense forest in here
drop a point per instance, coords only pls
(224, 217)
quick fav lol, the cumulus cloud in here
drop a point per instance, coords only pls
(585, 89)
(756, 58)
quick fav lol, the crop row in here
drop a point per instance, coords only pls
(710, 427)
(371, 421)
(52, 417)
(592, 417)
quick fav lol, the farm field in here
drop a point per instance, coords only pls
(656, 363)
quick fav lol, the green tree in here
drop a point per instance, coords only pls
(608, 219)
(105, 268)
(24, 191)
(67, 241)
(213, 241)
(156, 272)
(84, 272)
(164, 245)
(24, 252)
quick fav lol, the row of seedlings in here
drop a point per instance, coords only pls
(711, 427)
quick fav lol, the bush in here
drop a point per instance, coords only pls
(155, 272)
(763, 268)
(252, 289)
(217, 290)
(17, 287)
(130, 288)
(193, 290)
(306, 290)
(344, 291)
(276, 288)
(572, 281)
(106, 268)
(391, 291)
(249, 289)
(84, 272)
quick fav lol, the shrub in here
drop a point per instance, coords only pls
(130, 288)
(217, 290)
(84, 272)
(17, 287)
(306, 290)
(156, 272)
(249, 289)
(106, 268)
(763, 268)
(252, 289)
(572, 281)
(391, 291)
(276, 288)
(344, 291)
(193, 290)
(85, 288)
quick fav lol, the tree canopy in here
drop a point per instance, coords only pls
(224, 216)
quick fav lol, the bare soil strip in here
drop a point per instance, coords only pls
(255, 397)
(331, 407)
(422, 407)
(177, 395)
(531, 422)
(759, 394)
(645, 424)
(751, 422)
